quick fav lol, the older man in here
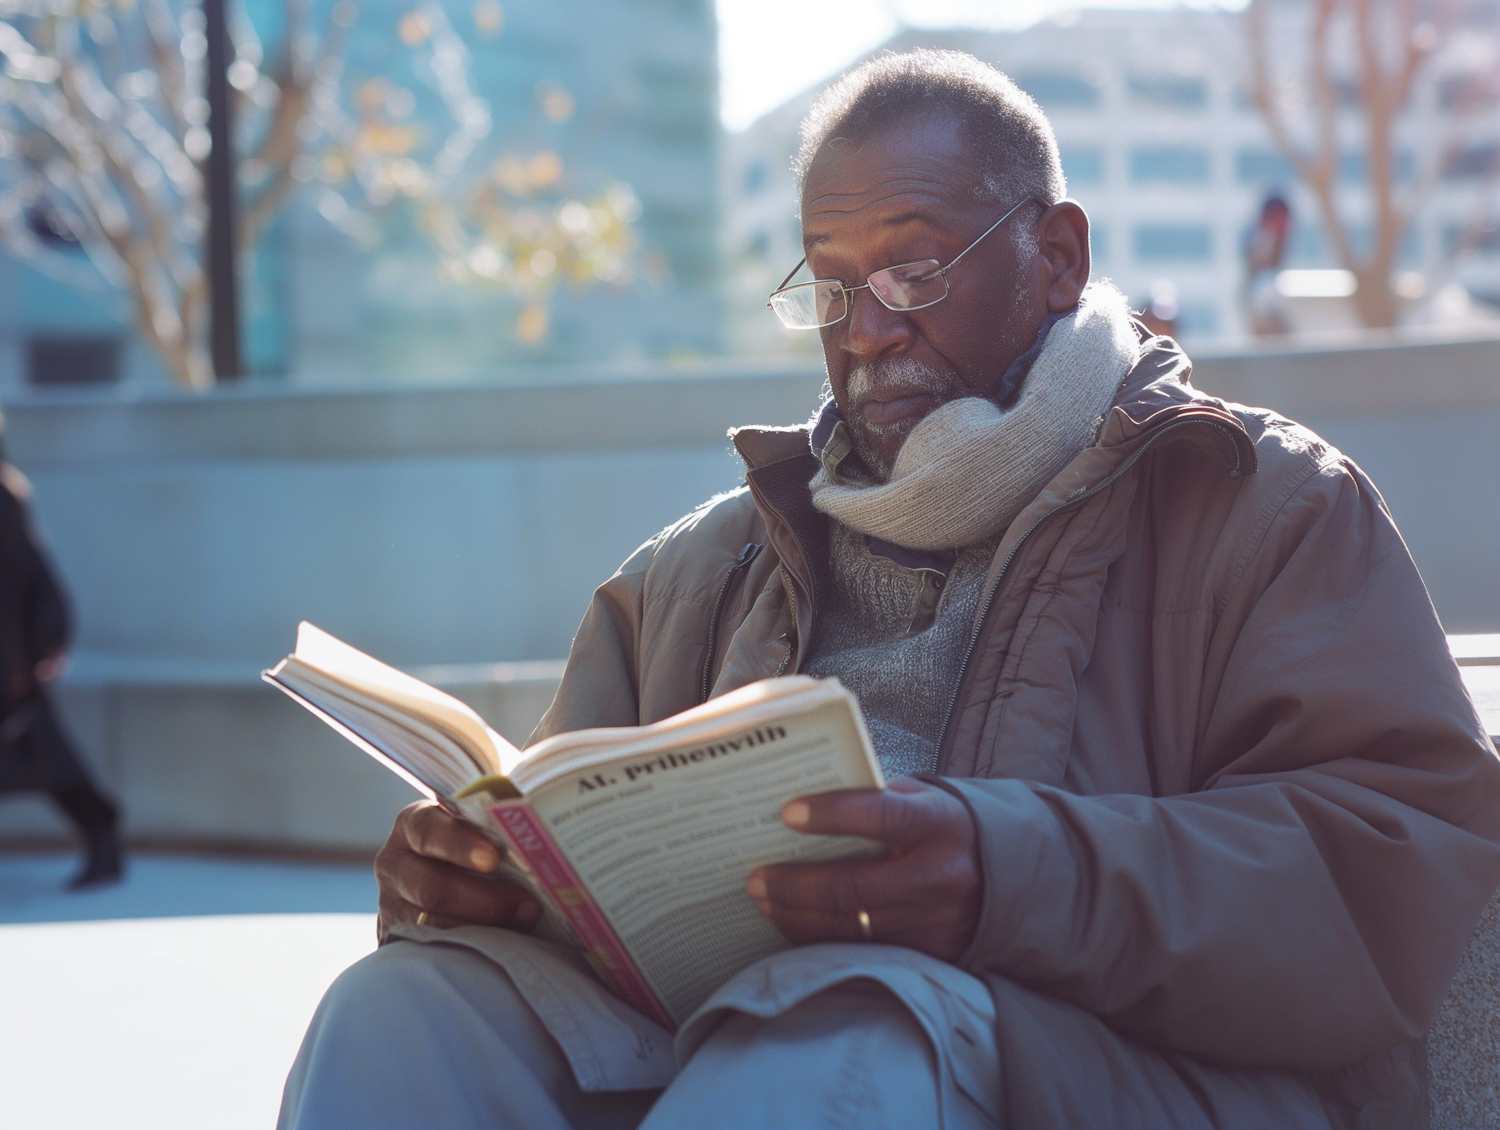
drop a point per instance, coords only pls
(1191, 817)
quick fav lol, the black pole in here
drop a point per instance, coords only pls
(223, 284)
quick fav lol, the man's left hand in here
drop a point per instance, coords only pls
(925, 892)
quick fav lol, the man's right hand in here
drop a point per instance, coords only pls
(439, 870)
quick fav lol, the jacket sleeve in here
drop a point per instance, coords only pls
(639, 653)
(1307, 904)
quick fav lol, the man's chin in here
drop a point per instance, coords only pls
(877, 448)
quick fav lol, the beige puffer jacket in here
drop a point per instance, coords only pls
(1233, 798)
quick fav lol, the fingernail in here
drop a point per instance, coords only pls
(757, 888)
(528, 912)
(796, 814)
(484, 858)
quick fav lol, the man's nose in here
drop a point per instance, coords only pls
(872, 331)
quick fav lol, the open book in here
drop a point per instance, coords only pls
(637, 841)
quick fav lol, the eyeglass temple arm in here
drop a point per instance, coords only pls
(980, 240)
(794, 270)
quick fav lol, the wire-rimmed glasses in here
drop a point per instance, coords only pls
(903, 288)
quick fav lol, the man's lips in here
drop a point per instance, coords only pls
(885, 409)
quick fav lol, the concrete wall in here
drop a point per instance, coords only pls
(467, 525)
(453, 526)
(1421, 416)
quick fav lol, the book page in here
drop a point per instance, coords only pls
(578, 749)
(665, 840)
(365, 674)
(421, 753)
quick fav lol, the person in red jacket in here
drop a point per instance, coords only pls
(35, 753)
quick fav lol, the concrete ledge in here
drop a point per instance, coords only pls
(580, 408)
(569, 411)
(1372, 375)
(239, 767)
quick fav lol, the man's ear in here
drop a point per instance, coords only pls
(1062, 239)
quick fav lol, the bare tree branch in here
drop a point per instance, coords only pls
(1388, 44)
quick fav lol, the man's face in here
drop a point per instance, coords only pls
(908, 193)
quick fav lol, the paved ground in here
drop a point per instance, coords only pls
(174, 1001)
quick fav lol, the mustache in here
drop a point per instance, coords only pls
(902, 375)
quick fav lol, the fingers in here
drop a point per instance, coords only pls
(452, 898)
(902, 816)
(927, 900)
(926, 892)
(841, 889)
(430, 869)
(430, 831)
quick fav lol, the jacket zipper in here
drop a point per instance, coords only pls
(791, 596)
(748, 554)
(994, 590)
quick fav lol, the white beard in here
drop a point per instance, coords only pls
(901, 372)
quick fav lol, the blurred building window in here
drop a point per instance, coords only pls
(755, 177)
(1176, 164)
(1172, 93)
(1482, 241)
(1259, 166)
(1307, 247)
(1468, 92)
(73, 359)
(1083, 166)
(1473, 162)
(1354, 167)
(1362, 239)
(266, 299)
(1156, 242)
(1053, 89)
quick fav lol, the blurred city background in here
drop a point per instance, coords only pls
(412, 318)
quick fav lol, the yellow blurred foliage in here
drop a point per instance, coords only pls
(556, 103)
(414, 28)
(489, 18)
(531, 324)
(545, 169)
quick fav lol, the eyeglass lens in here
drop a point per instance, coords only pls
(810, 305)
(816, 304)
(910, 285)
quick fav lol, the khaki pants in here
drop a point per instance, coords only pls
(490, 1029)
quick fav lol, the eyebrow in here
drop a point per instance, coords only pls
(904, 218)
(889, 222)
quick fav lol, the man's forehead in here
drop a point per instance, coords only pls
(918, 169)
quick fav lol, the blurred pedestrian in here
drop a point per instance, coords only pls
(35, 753)
(1265, 248)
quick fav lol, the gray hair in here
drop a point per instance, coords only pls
(1013, 142)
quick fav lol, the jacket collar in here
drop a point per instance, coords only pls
(1154, 393)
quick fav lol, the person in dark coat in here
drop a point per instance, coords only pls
(35, 753)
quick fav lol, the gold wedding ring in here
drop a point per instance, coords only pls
(422, 919)
(864, 926)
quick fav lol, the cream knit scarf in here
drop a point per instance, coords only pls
(969, 468)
